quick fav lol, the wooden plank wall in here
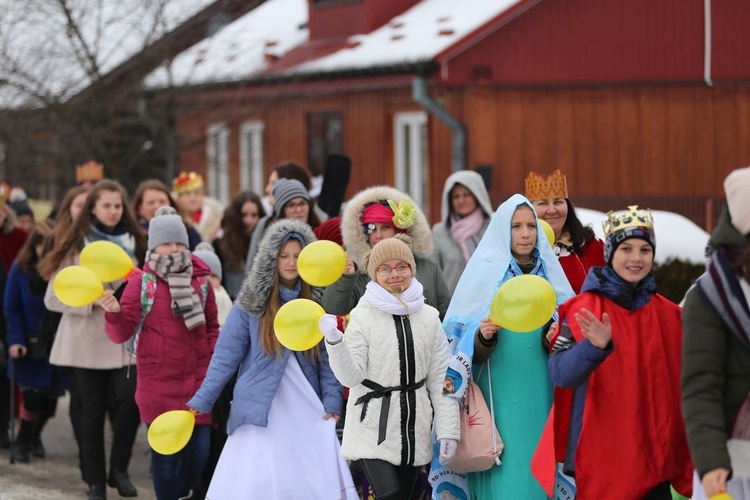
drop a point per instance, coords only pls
(615, 144)
(368, 129)
(655, 142)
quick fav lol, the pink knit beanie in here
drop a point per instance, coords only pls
(737, 189)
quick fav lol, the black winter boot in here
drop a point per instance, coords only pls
(20, 452)
(97, 492)
(36, 447)
(20, 449)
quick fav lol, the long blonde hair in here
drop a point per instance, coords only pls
(268, 340)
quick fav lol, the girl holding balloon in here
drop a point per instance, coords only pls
(282, 439)
(512, 248)
(99, 367)
(174, 343)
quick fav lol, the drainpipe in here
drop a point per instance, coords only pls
(420, 95)
(707, 42)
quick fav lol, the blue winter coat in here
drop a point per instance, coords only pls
(239, 347)
(23, 313)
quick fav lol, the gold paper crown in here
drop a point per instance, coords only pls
(631, 218)
(89, 171)
(186, 182)
(554, 185)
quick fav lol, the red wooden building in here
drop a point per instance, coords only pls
(637, 101)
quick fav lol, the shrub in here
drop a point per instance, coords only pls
(675, 277)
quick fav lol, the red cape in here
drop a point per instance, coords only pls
(632, 436)
(576, 267)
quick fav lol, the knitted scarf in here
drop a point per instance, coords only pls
(605, 281)
(177, 270)
(385, 301)
(464, 231)
(722, 288)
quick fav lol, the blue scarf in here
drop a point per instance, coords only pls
(119, 236)
(606, 282)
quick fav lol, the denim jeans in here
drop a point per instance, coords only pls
(174, 475)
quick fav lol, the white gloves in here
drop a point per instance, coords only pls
(328, 326)
(447, 450)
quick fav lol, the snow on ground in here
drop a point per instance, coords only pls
(238, 50)
(677, 237)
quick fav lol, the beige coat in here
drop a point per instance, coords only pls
(81, 341)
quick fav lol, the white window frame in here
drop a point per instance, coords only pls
(410, 150)
(251, 156)
(217, 165)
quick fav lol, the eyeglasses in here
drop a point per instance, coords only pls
(385, 271)
(295, 205)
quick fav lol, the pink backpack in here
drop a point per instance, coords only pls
(480, 445)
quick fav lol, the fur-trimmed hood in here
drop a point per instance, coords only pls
(354, 238)
(256, 289)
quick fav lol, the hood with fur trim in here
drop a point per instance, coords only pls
(257, 287)
(354, 238)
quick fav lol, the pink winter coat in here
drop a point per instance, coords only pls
(171, 360)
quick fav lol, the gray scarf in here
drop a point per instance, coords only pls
(177, 270)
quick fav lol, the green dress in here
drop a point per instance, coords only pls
(522, 396)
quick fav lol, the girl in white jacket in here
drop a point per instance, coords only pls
(393, 357)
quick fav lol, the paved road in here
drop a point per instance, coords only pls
(57, 477)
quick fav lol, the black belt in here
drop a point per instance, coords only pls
(378, 391)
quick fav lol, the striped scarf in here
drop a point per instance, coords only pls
(177, 270)
(722, 288)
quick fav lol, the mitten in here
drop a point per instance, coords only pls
(447, 450)
(328, 327)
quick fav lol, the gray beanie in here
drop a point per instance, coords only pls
(166, 227)
(205, 252)
(285, 190)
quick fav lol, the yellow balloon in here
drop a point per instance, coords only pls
(548, 231)
(721, 496)
(321, 263)
(296, 324)
(171, 431)
(77, 286)
(523, 303)
(108, 260)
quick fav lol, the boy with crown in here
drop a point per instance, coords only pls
(615, 362)
(205, 212)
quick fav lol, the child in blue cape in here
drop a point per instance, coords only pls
(517, 362)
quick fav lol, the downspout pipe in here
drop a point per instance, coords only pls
(421, 96)
(707, 43)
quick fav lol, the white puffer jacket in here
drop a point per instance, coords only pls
(393, 351)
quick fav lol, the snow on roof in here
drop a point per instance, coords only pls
(46, 58)
(417, 35)
(677, 237)
(238, 50)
